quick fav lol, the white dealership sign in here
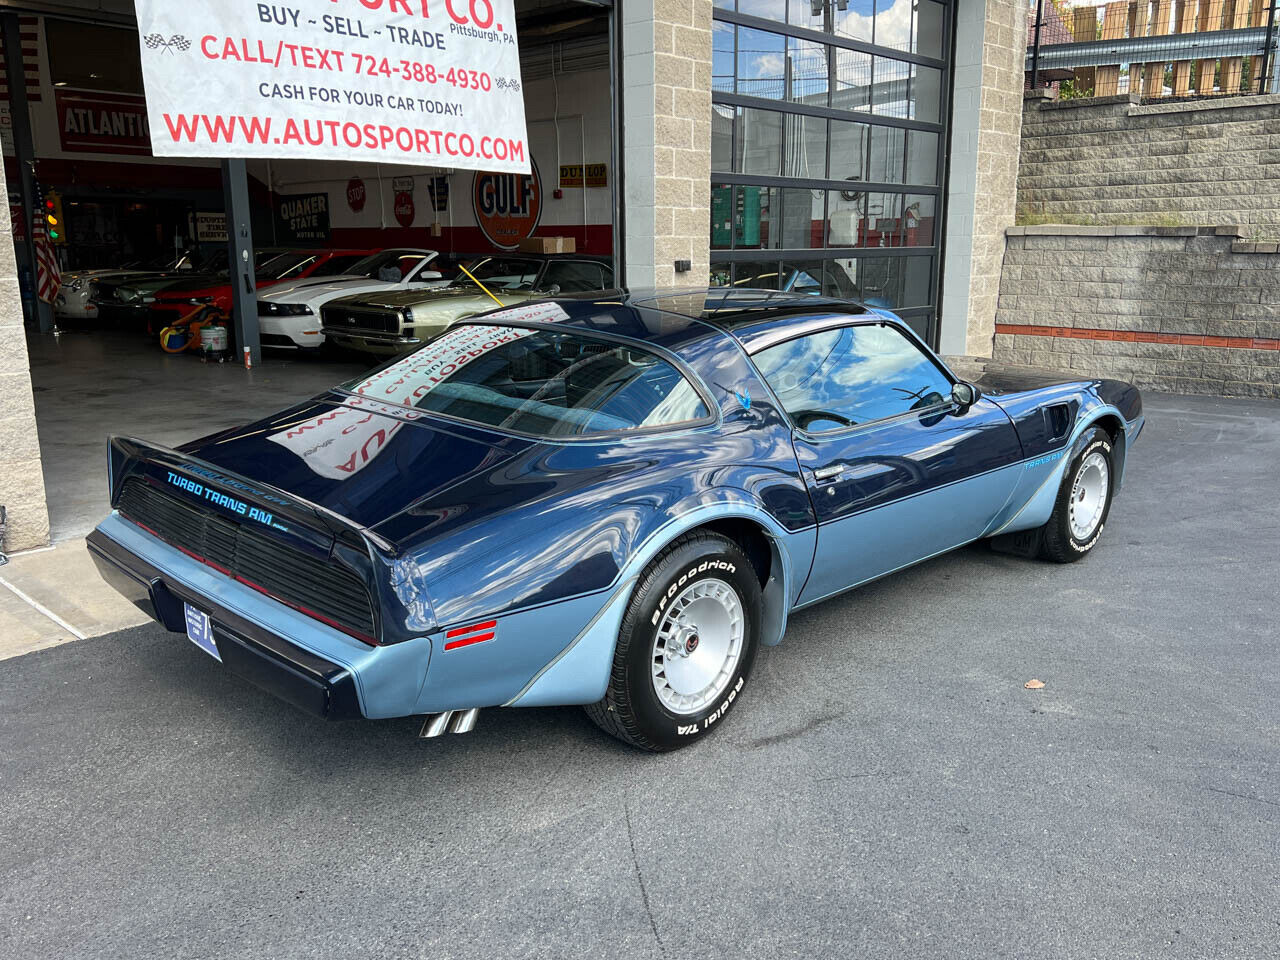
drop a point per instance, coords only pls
(430, 82)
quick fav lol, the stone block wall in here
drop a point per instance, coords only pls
(1178, 309)
(666, 102)
(986, 124)
(21, 475)
(1114, 160)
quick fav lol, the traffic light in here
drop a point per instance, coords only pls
(53, 217)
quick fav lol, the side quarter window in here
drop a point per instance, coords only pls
(573, 276)
(850, 375)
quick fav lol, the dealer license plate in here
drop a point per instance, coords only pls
(200, 633)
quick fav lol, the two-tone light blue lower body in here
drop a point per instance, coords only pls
(562, 652)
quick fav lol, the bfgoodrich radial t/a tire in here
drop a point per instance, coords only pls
(1084, 501)
(686, 645)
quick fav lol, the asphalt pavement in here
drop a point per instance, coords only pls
(888, 788)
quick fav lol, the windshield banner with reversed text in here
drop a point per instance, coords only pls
(430, 82)
(343, 441)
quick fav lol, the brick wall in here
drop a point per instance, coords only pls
(1179, 309)
(1112, 160)
(21, 476)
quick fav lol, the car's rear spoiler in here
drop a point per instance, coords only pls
(128, 456)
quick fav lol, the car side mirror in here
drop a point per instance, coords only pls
(964, 395)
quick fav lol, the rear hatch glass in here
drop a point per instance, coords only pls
(542, 383)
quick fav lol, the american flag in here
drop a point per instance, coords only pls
(29, 32)
(48, 276)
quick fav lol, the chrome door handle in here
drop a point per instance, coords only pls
(829, 473)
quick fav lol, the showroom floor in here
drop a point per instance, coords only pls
(92, 384)
(888, 789)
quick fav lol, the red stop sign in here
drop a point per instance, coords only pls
(404, 208)
(355, 194)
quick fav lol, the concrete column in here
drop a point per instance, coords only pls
(981, 196)
(21, 476)
(666, 140)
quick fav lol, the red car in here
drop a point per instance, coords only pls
(271, 266)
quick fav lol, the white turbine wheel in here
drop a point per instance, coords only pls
(1088, 497)
(698, 646)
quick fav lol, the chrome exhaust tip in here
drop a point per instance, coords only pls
(464, 721)
(435, 724)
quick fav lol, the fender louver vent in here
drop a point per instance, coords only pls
(330, 592)
(1057, 420)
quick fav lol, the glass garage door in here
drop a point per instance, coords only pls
(828, 132)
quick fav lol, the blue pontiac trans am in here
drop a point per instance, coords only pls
(609, 500)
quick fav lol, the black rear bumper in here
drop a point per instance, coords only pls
(311, 683)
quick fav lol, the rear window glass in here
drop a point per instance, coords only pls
(540, 382)
(500, 273)
(284, 266)
(337, 265)
(576, 276)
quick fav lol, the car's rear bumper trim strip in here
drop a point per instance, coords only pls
(297, 676)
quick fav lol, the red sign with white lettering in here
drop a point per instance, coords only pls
(103, 123)
(405, 209)
(355, 194)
